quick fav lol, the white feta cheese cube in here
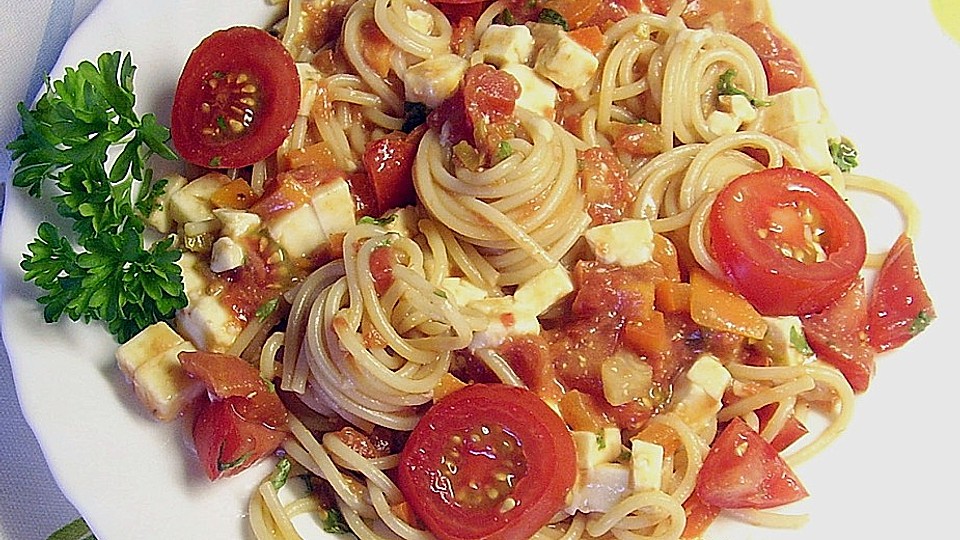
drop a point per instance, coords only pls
(723, 123)
(434, 79)
(461, 292)
(146, 345)
(791, 107)
(537, 94)
(209, 324)
(226, 254)
(334, 207)
(566, 62)
(596, 448)
(600, 488)
(505, 325)
(739, 106)
(502, 44)
(160, 218)
(420, 20)
(236, 223)
(784, 341)
(192, 201)
(163, 386)
(298, 231)
(626, 243)
(646, 465)
(697, 396)
(542, 291)
(813, 143)
(149, 360)
(194, 281)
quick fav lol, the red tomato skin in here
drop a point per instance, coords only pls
(227, 444)
(742, 470)
(773, 283)
(781, 63)
(389, 165)
(236, 49)
(541, 492)
(227, 376)
(900, 306)
(838, 335)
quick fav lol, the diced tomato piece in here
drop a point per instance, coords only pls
(389, 165)
(603, 180)
(486, 99)
(838, 335)
(742, 470)
(780, 61)
(899, 307)
(226, 443)
(791, 432)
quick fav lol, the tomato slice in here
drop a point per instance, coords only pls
(241, 421)
(488, 461)
(389, 165)
(838, 335)
(899, 307)
(742, 470)
(786, 239)
(236, 99)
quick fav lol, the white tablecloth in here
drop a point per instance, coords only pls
(33, 33)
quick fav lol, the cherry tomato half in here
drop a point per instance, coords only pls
(742, 470)
(236, 99)
(786, 239)
(488, 461)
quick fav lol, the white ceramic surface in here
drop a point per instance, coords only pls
(889, 79)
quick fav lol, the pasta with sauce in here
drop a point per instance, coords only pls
(554, 234)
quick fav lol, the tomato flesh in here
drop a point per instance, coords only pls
(742, 470)
(241, 421)
(786, 239)
(236, 99)
(899, 307)
(838, 335)
(487, 461)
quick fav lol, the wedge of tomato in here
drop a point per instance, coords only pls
(488, 461)
(786, 239)
(742, 470)
(899, 307)
(240, 421)
(236, 99)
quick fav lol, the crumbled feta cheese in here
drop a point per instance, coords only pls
(537, 94)
(566, 62)
(646, 464)
(596, 448)
(226, 254)
(434, 79)
(209, 324)
(626, 243)
(502, 44)
(236, 223)
(192, 201)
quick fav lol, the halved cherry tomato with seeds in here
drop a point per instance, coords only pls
(786, 239)
(488, 461)
(236, 99)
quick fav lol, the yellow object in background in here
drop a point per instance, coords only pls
(947, 13)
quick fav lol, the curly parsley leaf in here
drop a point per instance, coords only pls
(106, 271)
(844, 154)
(727, 87)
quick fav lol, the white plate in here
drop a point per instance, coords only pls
(889, 78)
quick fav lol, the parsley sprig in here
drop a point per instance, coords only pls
(105, 270)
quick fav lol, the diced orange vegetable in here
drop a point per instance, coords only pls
(403, 511)
(716, 306)
(582, 412)
(660, 434)
(318, 154)
(648, 336)
(665, 254)
(589, 37)
(235, 194)
(673, 297)
(575, 12)
(447, 385)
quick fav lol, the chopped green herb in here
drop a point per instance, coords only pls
(382, 222)
(601, 441)
(799, 341)
(267, 308)
(505, 18)
(281, 473)
(726, 87)
(920, 323)
(215, 161)
(550, 16)
(441, 293)
(227, 465)
(334, 523)
(504, 150)
(844, 154)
